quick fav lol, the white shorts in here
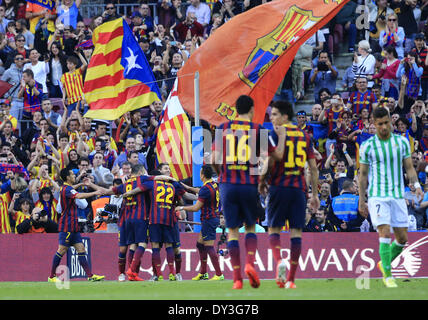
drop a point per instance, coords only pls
(388, 211)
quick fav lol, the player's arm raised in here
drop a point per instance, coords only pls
(362, 187)
(413, 177)
(194, 208)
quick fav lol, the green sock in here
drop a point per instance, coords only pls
(385, 257)
(395, 250)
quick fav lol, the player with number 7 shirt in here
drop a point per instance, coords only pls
(284, 184)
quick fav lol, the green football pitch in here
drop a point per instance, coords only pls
(331, 289)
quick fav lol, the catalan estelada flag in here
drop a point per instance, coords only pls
(119, 78)
(244, 57)
(173, 144)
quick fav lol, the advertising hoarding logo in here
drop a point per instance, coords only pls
(76, 270)
(408, 263)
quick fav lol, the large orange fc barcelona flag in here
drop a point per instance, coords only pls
(119, 78)
(250, 54)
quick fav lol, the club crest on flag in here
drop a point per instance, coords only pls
(272, 46)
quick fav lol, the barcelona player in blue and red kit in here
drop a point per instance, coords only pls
(68, 227)
(289, 150)
(236, 162)
(207, 203)
(134, 229)
(163, 198)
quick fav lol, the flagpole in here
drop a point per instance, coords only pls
(197, 158)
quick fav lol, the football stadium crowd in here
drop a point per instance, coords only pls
(44, 54)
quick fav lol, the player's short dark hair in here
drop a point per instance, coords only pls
(137, 168)
(284, 108)
(117, 181)
(207, 171)
(380, 112)
(155, 173)
(64, 174)
(244, 104)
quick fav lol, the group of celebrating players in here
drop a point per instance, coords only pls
(152, 205)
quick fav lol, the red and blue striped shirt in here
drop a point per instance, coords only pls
(290, 171)
(136, 206)
(209, 196)
(362, 100)
(240, 147)
(68, 222)
(163, 198)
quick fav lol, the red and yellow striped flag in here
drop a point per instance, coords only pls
(119, 78)
(4, 213)
(173, 144)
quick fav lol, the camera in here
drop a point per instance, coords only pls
(89, 171)
(322, 66)
(110, 211)
(223, 239)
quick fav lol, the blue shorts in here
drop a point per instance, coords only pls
(69, 238)
(286, 204)
(161, 233)
(240, 204)
(208, 228)
(176, 236)
(122, 236)
(136, 231)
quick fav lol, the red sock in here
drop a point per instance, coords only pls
(122, 262)
(170, 259)
(296, 248)
(135, 266)
(233, 246)
(130, 257)
(275, 245)
(177, 258)
(202, 257)
(251, 247)
(214, 259)
(156, 261)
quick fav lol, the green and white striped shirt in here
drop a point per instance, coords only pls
(385, 160)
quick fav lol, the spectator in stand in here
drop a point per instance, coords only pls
(147, 20)
(363, 98)
(344, 168)
(406, 19)
(133, 125)
(13, 76)
(324, 75)
(179, 11)
(189, 28)
(10, 9)
(3, 21)
(68, 12)
(22, 28)
(32, 92)
(388, 74)
(410, 75)
(110, 13)
(320, 222)
(422, 50)
(129, 146)
(57, 66)
(343, 131)
(72, 83)
(53, 118)
(406, 130)
(40, 69)
(215, 24)
(393, 35)
(38, 222)
(227, 9)
(345, 208)
(20, 49)
(344, 21)
(166, 13)
(35, 12)
(101, 131)
(171, 68)
(377, 19)
(364, 62)
(201, 10)
(23, 211)
(332, 110)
